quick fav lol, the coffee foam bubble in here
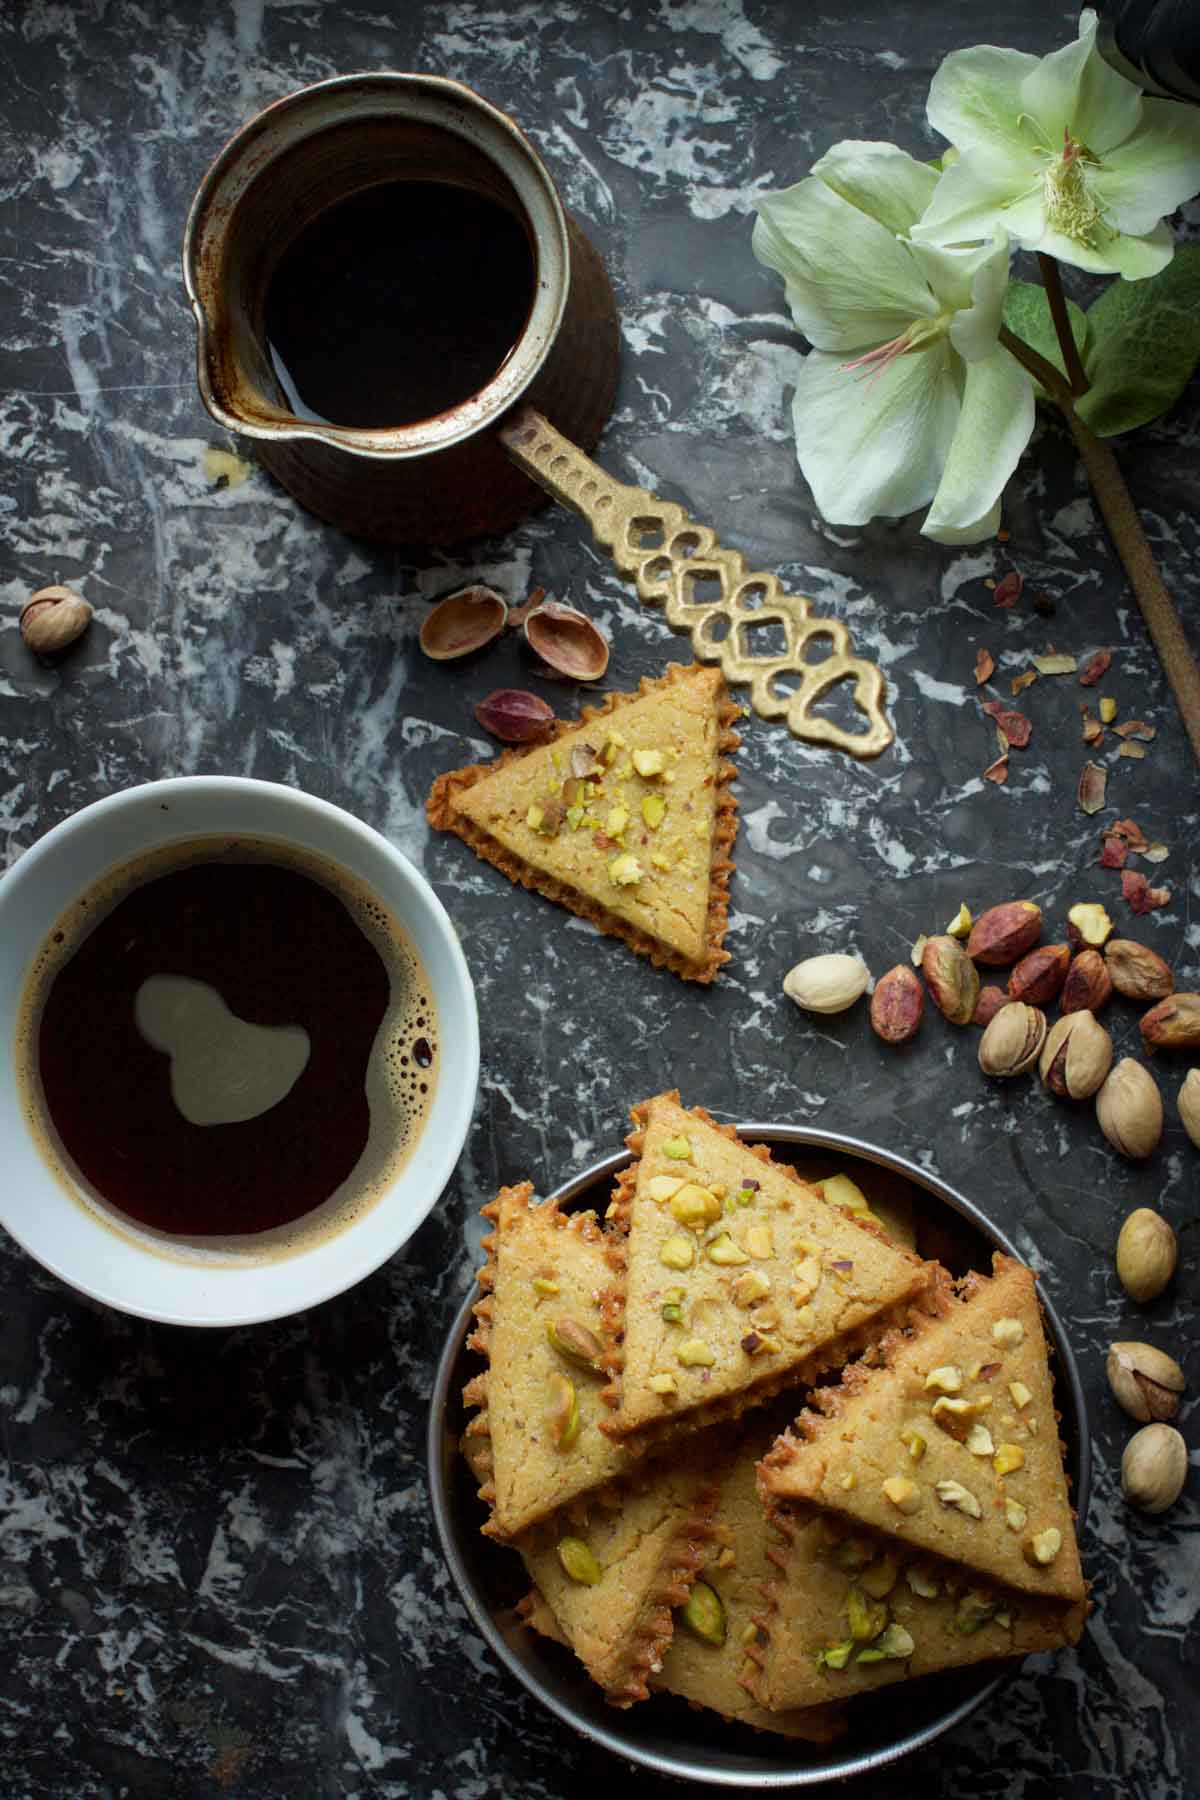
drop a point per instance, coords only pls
(401, 1074)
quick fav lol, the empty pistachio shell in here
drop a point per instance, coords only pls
(567, 640)
(1130, 1110)
(463, 622)
(1154, 1468)
(53, 618)
(827, 984)
(704, 1614)
(1145, 1381)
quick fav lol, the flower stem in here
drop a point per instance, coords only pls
(1125, 528)
(1052, 281)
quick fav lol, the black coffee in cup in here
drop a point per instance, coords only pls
(228, 1042)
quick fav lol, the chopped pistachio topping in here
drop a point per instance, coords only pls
(953, 1493)
(1008, 1458)
(1008, 1333)
(1015, 1516)
(543, 1286)
(663, 1384)
(678, 1252)
(625, 871)
(1043, 1547)
(892, 1645)
(1021, 1395)
(751, 1286)
(914, 1442)
(654, 810)
(944, 1380)
(694, 1353)
(578, 1561)
(695, 1206)
(836, 1656)
(704, 1614)
(648, 762)
(867, 1617)
(725, 1252)
(903, 1493)
(678, 1148)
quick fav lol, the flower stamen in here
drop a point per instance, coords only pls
(1071, 206)
(922, 334)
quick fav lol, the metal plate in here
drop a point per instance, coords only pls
(664, 1734)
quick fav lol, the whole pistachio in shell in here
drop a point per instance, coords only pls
(1189, 1105)
(1076, 1056)
(463, 622)
(1145, 1381)
(52, 619)
(1147, 1252)
(1012, 1042)
(1154, 1468)
(827, 984)
(567, 640)
(1130, 1109)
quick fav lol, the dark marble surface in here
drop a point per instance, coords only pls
(217, 1566)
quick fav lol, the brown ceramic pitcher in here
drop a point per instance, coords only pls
(446, 478)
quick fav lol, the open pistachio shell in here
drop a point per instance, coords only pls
(567, 640)
(463, 622)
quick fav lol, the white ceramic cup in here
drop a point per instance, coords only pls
(38, 1205)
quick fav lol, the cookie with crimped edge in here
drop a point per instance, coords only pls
(614, 1582)
(538, 1324)
(734, 1278)
(708, 1663)
(949, 1443)
(625, 818)
(848, 1610)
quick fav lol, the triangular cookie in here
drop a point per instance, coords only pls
(735, 1278)
(738, 1563)
(849, 1610)
(952, 1447)
(625, 818)
(542, 1285)
(612, 1584)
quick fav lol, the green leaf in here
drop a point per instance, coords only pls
(1027, 315)
(1143, 344)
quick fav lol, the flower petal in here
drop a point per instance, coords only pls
(1152, 172)
(971, 281)
(875, 443)
(980, 194)
(995, 423)
(975, 98)
(1074, 90)
(1134, 258)
(881, 180)
(850, 283)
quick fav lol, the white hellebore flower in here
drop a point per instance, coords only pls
(906, 397)
(1062, 153)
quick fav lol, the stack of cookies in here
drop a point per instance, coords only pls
(636, 1439)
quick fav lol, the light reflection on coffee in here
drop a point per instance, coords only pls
(228, 1044)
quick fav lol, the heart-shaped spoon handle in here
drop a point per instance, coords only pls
(710, 592)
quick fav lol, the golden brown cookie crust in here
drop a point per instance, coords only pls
(444, 816)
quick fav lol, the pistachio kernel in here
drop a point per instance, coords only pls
(1008, 1458)
(679, 1148)
(694, 1353)
(903, 1493)
(625, 871)
(578, 1561)
(562, 1417)
(695, 1206)
(758, 1240)
(544, 1287)
(663, 1384)
(867, 1617)
(648, 762)
(704, 1614)
(836, 1656)
(953, 1493)
(678, 1252)
(724, 1252)
(979, 1443)
(1015, 1516)
(575, 1341)
(893, 1645)
(947, 1379)
(975, 1608)
(922, 1581)
(914, 1442)
(1042, 1548)
(881, 1576)
(1008, 1333)
(751, 1286)
(661, 1187)
(1021, 1395)
(654, 811)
